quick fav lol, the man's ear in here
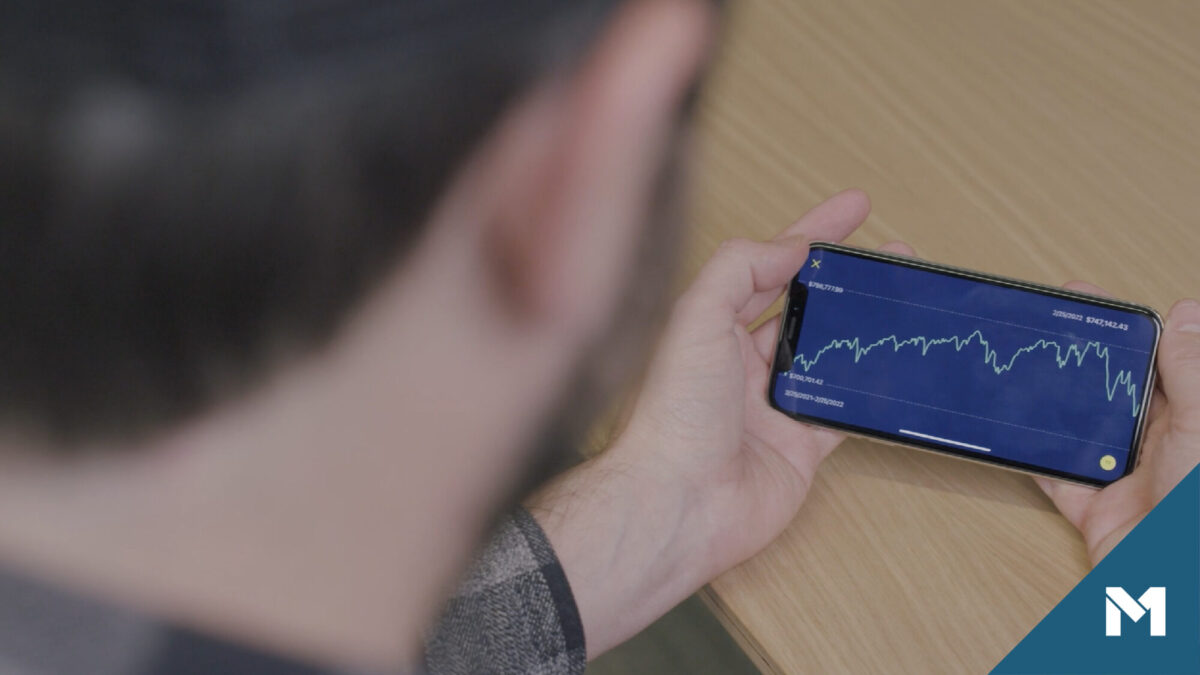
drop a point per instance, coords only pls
(579, 162)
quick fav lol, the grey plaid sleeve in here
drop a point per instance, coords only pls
(514, 613)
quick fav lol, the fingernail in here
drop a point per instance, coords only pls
(1185, 317)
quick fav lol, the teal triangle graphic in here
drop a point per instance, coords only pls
(1163, 551)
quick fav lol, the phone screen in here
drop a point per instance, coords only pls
(991, 369)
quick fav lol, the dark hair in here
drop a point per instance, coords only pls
(189, 188)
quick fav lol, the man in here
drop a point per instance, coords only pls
(291, 292)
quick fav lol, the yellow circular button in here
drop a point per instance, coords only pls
(1108, 462)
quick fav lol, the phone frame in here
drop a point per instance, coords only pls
(996, 280)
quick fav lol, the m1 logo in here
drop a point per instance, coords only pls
(1152, 602)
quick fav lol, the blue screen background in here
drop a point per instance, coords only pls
(972, 367)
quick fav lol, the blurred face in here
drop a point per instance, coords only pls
(375, 464)
(580, 210)
(622, 345)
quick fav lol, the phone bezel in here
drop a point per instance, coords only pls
(996, 280)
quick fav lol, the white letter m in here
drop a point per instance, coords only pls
(1152, 602)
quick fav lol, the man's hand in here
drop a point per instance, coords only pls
(703, 419)
(705, 473)
(1170, 450)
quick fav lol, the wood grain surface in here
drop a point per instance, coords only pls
(1043, 140)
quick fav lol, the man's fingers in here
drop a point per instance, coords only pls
(1179, 359)
(742, 269)
(765, 337)
(1158, 405)
(1071, 500)
(833, 219)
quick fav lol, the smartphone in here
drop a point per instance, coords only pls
(1014, 374)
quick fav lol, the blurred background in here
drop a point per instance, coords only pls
(1043, 140)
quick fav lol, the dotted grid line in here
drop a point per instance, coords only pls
(984, 318)
(978, 417)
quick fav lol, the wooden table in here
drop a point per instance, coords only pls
(1043, 140)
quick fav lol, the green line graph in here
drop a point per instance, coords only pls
(1063, 357)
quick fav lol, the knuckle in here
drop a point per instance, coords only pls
(1181, 373)
(1183, 362)
(687, 303)
(1184, 425)
(733, 247)
(730, 255)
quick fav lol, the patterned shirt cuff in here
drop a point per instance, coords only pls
(514, 612)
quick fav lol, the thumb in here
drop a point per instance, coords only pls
(1071, 500)
(741, 269)
(1179, 358)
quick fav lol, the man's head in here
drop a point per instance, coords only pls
(195, 190)
(352, 248)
